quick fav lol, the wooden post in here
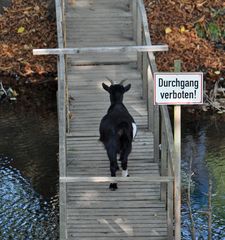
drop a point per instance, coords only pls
(62, 122)
(170, 204)
(134, 13)
(177, 145)
(156, 133)
(164, 157)
(144, 69)
(150, 97)
(139, 39)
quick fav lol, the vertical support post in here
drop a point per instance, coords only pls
(134, 13)
(156, 133)
(170, 204)
(62, 119)
(150, 97)
(62, 211)
(177, 145)
(139, 39)
(164, 156)
(62, 143)
(145, 75)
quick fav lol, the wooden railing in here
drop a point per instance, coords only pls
(147, 66)
(158, 120)
(62, 98)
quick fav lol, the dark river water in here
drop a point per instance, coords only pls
(28, 172)
(204, 145)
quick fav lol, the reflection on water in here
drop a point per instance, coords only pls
(207, 148)
(28, 173)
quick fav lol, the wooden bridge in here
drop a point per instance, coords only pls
(99, 39)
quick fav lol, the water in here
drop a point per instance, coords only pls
(204, 143)
(28, 171)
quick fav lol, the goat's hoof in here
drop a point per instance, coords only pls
(113, 186)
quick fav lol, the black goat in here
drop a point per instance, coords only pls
(117, 129)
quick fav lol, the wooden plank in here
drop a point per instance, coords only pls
(100, 4)
(79, 15)
(116, 179)
(121, 234)
(93, 231)
(135, 224)
(106, 59)
(96, 12)
(100, 68)
(94, 142)
(104, 31)
(97, 22)
(75, 191)
(122, 49)
(113, 205)
(161, 237)
(125, 237)
(93, 41)
(157, 213)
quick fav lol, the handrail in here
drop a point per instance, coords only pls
(62, 116)
(147, 178)
(118, 49)
(147, 65)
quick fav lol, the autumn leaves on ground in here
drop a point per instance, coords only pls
(194, 31)
(25, 26)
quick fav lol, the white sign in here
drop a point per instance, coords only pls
(179, 88)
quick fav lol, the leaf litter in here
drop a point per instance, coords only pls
(25, 26)
(174, 22)
(195, 34)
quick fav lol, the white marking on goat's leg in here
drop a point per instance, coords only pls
(125, 173)
(134, 126)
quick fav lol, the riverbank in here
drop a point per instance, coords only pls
(195, 35)
(26, 25)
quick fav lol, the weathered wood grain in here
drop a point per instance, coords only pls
(104, 36)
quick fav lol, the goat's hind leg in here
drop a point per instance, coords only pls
(112, 155)
(113, 169)
(124, 159)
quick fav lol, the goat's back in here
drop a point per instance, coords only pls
(117, 123)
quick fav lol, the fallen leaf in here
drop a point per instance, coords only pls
(200, 4)
(37, 8)
(20, 30)
(182, 29)
(168, 30)
(14, 93)
(200, 20)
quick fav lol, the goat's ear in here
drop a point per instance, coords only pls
(127, 88)
(105, 87)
